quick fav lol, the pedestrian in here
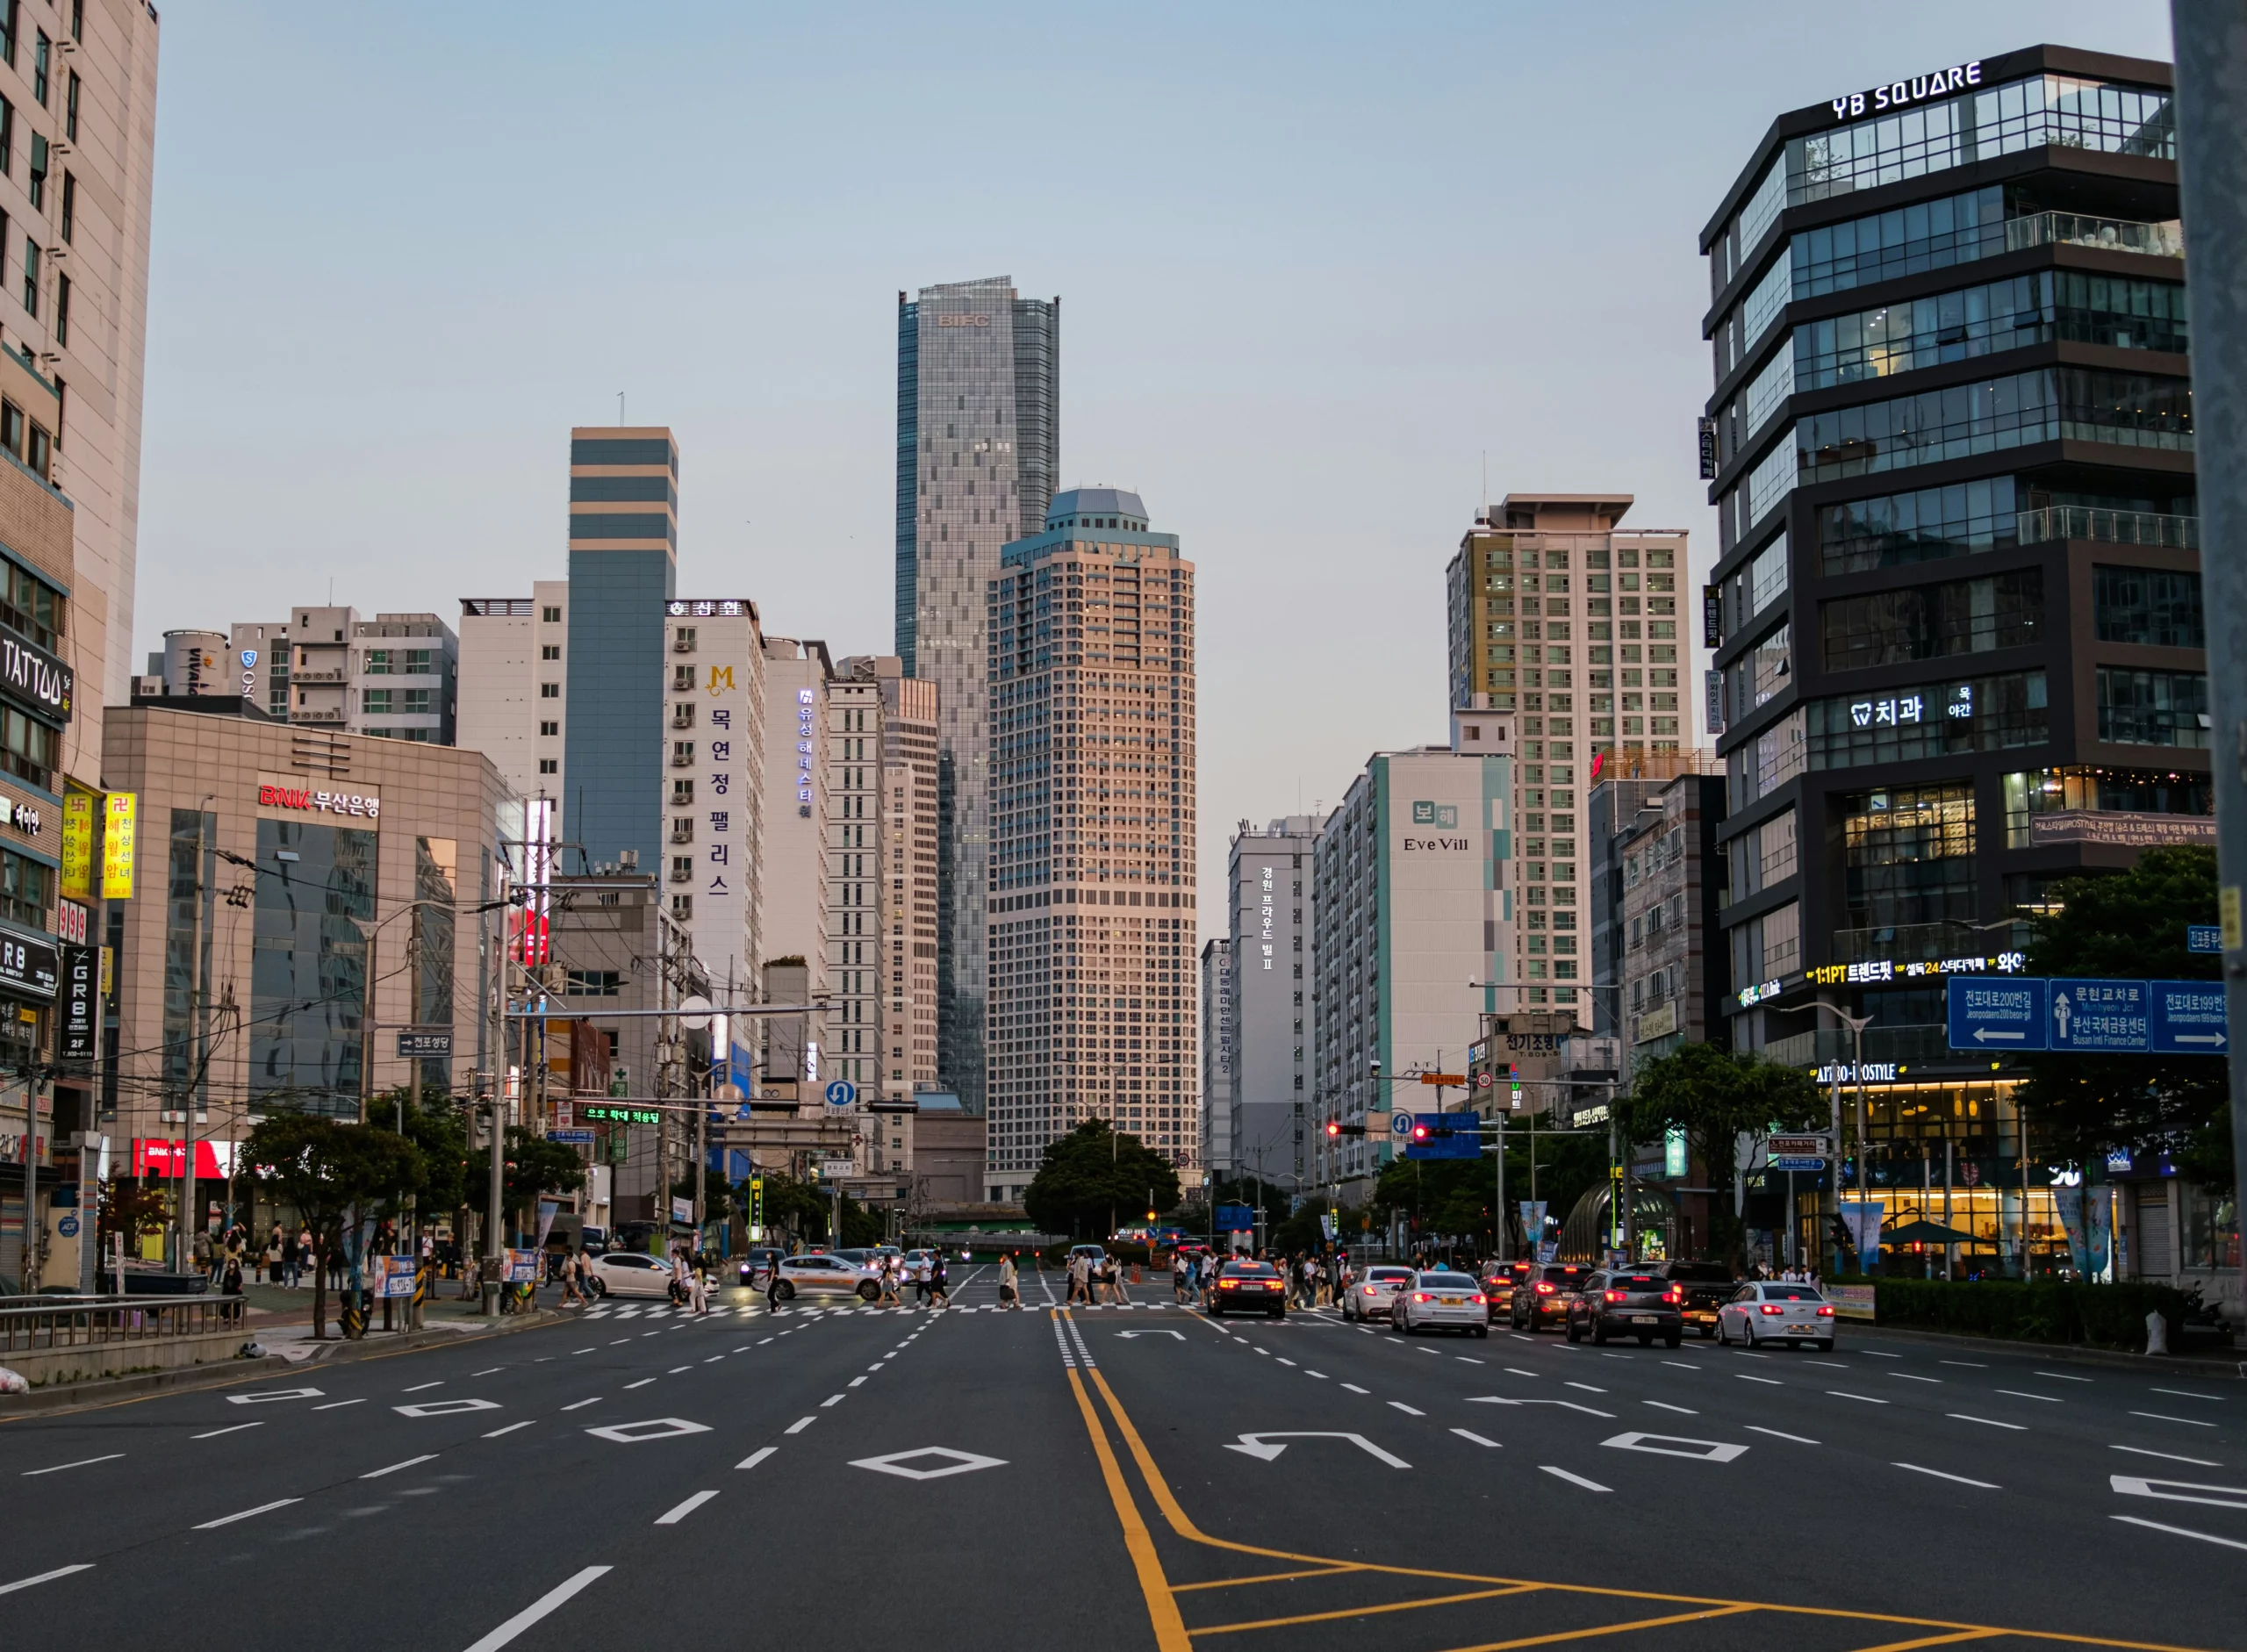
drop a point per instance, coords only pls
(1009, 1286)
(889, 1297)
(1181, 1270)
(570, 1262)
(937, 1280)
(698, 1290)
(924, 1273)
(1075, 1273)
(773, 1286)
(678, 1272)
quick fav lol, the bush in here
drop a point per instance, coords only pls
(2040, 1311)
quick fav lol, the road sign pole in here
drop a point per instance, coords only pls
(2211, 49)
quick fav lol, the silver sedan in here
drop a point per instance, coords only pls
(1435, 1299)
(1367, 1298)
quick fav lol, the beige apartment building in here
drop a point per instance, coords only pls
(909, 874)
(514, 684)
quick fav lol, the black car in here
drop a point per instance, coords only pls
(1542, 1295)
(1627, 1302)
(1256, 1287)
(1498, 1281)
(1708, 1287)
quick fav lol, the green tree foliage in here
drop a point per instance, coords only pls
(434, 1124)
(325, 1170)
(720, 1201)
(1093, 1175)
(536, 1166)
(1713, 1096)
(2130, 925)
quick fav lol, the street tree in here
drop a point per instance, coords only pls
(536, 1166)
(1715, 1096)
(327, 1171)
(1097, 1176)
(2130, 925)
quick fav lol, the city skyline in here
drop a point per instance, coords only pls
(779, 378)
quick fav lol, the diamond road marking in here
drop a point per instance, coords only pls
(1676, 1445)
(653, 1428)
(960, 1463)
(267, 1395)
(446, 1407)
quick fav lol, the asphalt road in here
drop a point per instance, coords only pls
(1130, 1477)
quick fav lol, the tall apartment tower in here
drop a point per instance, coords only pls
(855, 947)
(977, 444)
(714, 755)
(1273, 1010)
(514, 683)
(1093, 1001)
(1559, 615)
(1217, 1056)
(1961, 637)
(623, 565)
(797, 891)
(907, 883)
(81, 80)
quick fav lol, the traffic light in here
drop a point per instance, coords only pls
(1837, 1232)
(1420, 1131)
(1335, 1127)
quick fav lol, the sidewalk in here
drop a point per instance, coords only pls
(281, 1319)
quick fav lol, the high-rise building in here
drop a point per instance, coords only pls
(1959, 601)
(1091, 910)
(391, 677)
(907, 884)
(1418, 900)
(714, 757)
(1273, 1012)
(514, 687)
(1672, 981)
(797, 894)
(623, 563)
(1559, 615)
(1217, 1056)
(854, 872)
(977, 444)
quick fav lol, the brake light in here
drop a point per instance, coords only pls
(1772, 1307)
(1419, 1295)
(1544, 1289)
(1826, 1310)
(1614, 1296)
(1228, 1284)
(1674, 1294)
(1477, 1299)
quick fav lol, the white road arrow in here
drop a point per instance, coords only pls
(1127, 1335)
(1984, 1035)
(1493, 1399)
(1253, 1445)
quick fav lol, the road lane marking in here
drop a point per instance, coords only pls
(488, 1370)
(2021, 1393)
(1511, 1370)
(832, 1399)
(2132, 1519)
(236, 1429)
(673, 1517)
(422, 1387)
(1291, 1362)
(1464, 1359)
(676, 1369)
(509, 1429)
(1469, 1434)
(1769, 1382)
(338, 1404)
(1354, 1389)
(712, 1360)
(1573, 1479)
(267, 1395)
(762, 1344)
(81, 1463)
(1867, 1398)
(1681, 1365)
(1987, 1422)
(756, 1456)
(642, 1383)
(1399, 1404)
(1321, 1376)
(2186, 1393)
(582, 1404)
(1958, 1479)
(1971, 1365)
(263, 1508)
(2166, 1456)
(46, 1577)
(799, 1425)
(1836, 1365)
(537, 1609)
(426, 1456)
(1877, 1354)
(854, 1382)
(1775, 1434)
(1586, 1387)
(577, 1351)
(1660, 1407)
(2062, 1376)
(2190, 1422)
(1905, 1376)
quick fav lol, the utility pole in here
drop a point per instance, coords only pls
(2211, 48)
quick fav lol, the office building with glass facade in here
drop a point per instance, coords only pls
(623, 565)
(1955, 604)
(978, 443)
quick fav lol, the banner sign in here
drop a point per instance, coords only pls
(520, 1268)
(78, 845)
(1863, 1222)
(119, 812)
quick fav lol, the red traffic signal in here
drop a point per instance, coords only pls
(1332, 1128)
(1419, 1131)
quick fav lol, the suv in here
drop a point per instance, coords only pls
(1628, 1302)
(1498, 1278)
(1543, 1293)
(1708, 1287)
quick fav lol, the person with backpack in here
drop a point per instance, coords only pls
(1010, 1282)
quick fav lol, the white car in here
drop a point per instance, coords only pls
(1771, 1312)
(1434, 1299)
(630, 1274)
(1367, 1298)
(825, 1275)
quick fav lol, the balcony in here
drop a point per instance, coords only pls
(682, 716)
(1826, 1046)
(2114, 528)
(332, 674)
(682, 757)
(683, 643)
(682, 875)
(683, 833)
(2109, 234)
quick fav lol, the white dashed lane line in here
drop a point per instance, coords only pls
(263, 1508)
(1986, 1422)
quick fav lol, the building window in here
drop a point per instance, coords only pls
(70, 109)
(415, 701)
(23, 889)
(63, 309)
(1892, 529)
(308, 973)
(593, 983)
(549, 728)
(550, 765)
(1925, 235)
(2153, 708)
(10, 14)
(552, 616)
(549, 650)
(374, 702)
(682, 907)
(2150, 606)
(1983, 713)
(1961, 617)
(549, 691)
(32, 607)
(417, 662)
(39, 450)
(377, 663)
(1909, 856)
(31, 276)
(42, 58)
(39, 171)
(2103, 790)
(7, 135)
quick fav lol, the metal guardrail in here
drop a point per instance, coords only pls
(2164, 240)
(2121, 528)
(79, 1322)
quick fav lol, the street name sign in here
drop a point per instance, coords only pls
(2105, 1017)
(1996, 1014)
(2186, 1017)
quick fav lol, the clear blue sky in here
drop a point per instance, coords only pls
(1317, 262)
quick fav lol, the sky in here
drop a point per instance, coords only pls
(1324, 268)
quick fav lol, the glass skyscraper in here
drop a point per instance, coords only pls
(978, 440)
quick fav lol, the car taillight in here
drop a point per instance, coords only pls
(1478, 1299)
(1673, 1296)
(1826, 1310)
(1544, 1289)
(1772, 1307)
(1614, 1296)
(1228, 1284)
(1419, 1295)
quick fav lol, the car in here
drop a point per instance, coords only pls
(913, 1260)
(1498, 1280)
(1255, 1286)
(630, 1274)
(1708, 1286)
(1542, 1294)
(1775, 1311)
(1631, 1301)
(1436, 1297)
(859, 1257)
(1367, 1297)
(1093, 1254)
(833, 1276)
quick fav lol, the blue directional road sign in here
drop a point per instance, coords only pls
(2187, 1018)
(1449, 1136)
(2000, 1013)
(1797, 1164)
(2204, 938)
(2099, 1017)
(571, 1137)
(842, 1093)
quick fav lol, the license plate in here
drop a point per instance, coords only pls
(1643, 1319)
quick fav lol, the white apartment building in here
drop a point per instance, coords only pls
(1417, 894)
(714, 807)
(1273, 1017)
(513, 688)
(795, 891)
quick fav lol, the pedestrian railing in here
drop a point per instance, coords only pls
(78, 1322)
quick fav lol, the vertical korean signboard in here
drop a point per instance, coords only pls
(78, 847)
(119, 817)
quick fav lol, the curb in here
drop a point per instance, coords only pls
(2220, 1366)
